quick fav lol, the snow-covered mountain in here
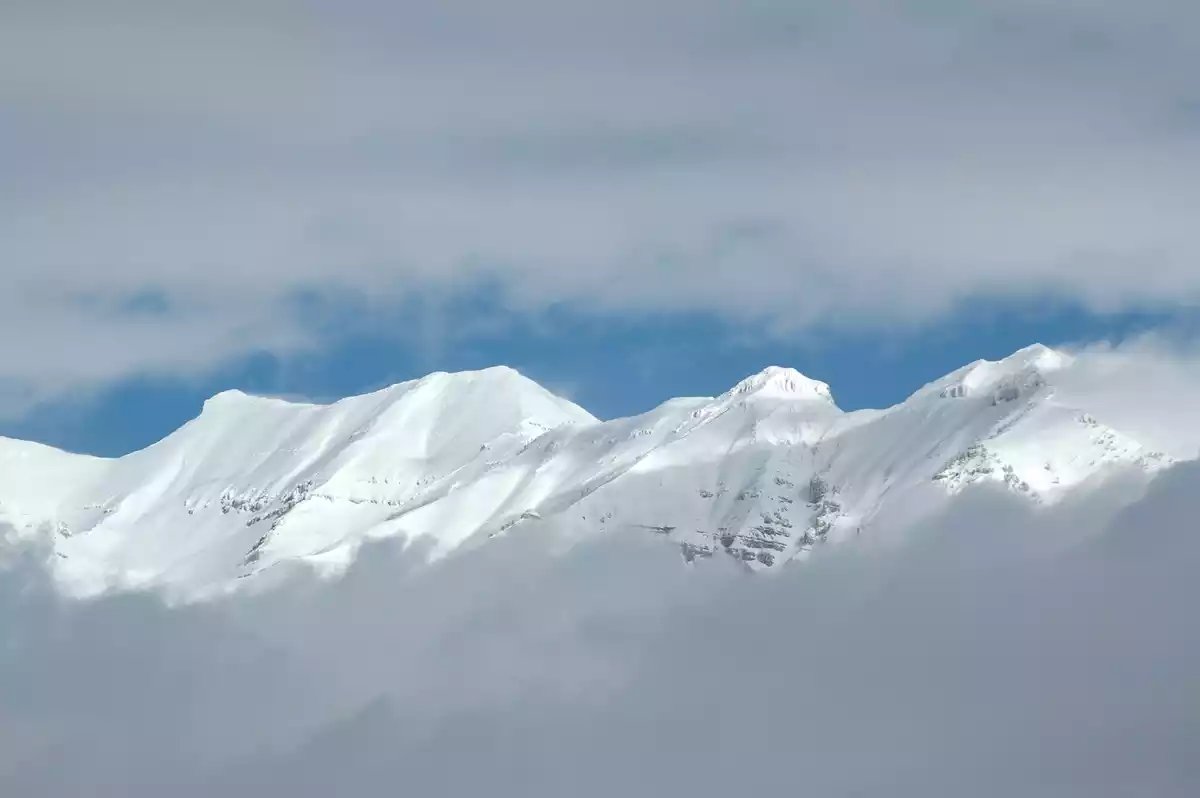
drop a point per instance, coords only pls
(767, 472)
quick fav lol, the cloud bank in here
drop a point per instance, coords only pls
(179, 177)
(998, 651)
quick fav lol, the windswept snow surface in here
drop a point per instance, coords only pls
(765, 473)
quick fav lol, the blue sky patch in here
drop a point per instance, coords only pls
(611, 365)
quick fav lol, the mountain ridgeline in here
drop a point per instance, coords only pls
(769, 472)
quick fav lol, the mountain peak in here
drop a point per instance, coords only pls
(1031, 363)
(236, 398)
(493, 382)
(1038, 356)
(1025, 370)
(782, 383)
(459, 458)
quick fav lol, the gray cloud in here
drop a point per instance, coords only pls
(998, 651)
(872, 161)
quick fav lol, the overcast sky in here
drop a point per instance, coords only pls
(184, 184)
(184, 181)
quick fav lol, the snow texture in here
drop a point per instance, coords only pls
(763, 473)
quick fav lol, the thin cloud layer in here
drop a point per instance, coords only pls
(791, 162)
(999, 651)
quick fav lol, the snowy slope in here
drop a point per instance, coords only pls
(765, 472)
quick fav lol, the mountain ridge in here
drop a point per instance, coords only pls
(766, 472)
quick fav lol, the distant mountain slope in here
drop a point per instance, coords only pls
(765, 472)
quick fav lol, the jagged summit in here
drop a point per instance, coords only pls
(766, 473)
(782, 383)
